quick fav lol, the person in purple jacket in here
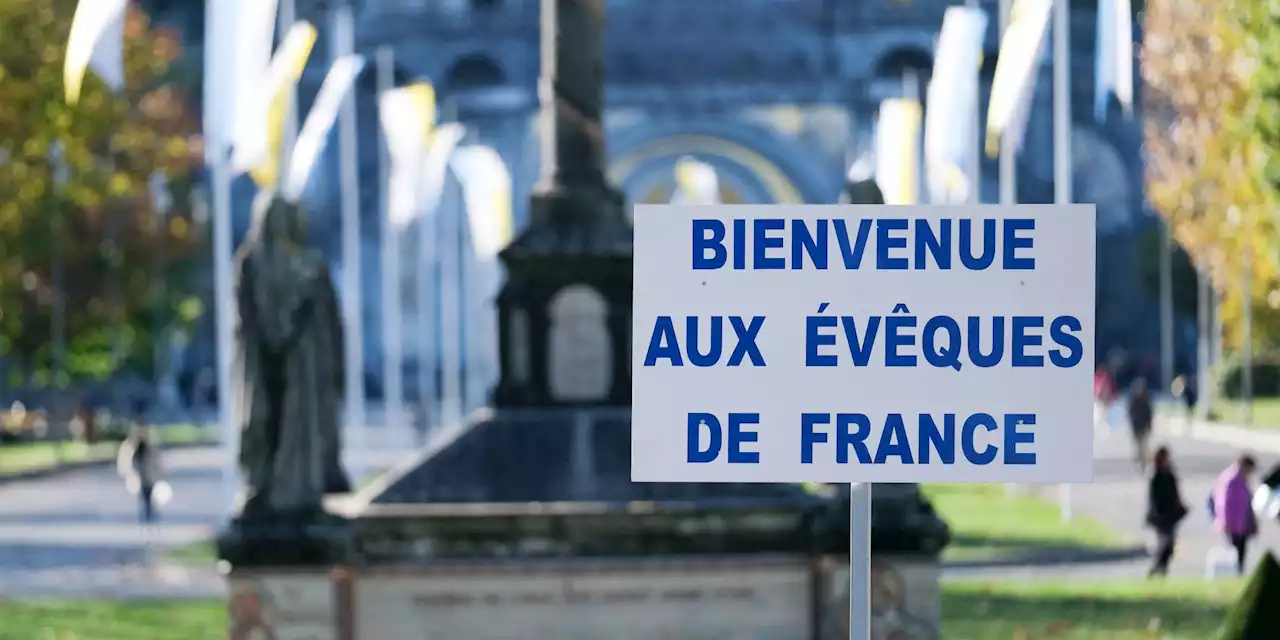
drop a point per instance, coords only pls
(1233, 507)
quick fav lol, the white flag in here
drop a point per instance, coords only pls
(254, 34)
(1014, 85)
(486, 189)
(266, 98)
(436, 167)
(96, 43)
(408, 117)
(1113, 64)
(950, 131)
(696, 183)
(315, 129)
(898, 150)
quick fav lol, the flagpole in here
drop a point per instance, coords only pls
(1167, 357)
(343, 43)
(1062, 170)
(219, 19)
(449, 255)
(286, 16)
(58, 317)
(392, 338)
(1008, 157)
(160, 206)
(975, 138)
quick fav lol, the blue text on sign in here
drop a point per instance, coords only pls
(847, 437)
(772, 244)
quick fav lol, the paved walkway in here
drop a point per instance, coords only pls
(1117, 498)
(76, 534)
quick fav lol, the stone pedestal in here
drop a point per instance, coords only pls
(291, 604)
(906, 599)
(311, 539)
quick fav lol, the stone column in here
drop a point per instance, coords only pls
(565, 313)
(571, 188)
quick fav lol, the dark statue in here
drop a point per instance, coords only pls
(289, 381)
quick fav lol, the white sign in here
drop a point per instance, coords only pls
(863, 344)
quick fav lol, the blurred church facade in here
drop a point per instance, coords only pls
(777, 95)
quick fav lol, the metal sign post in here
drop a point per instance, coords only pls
(860, 561)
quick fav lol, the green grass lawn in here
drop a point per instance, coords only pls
(1131, 610)
(1266, 412)
(19, 457)
(1128, 610)
(199, 552)
(28, 456)
(113, 620)
(986, 522)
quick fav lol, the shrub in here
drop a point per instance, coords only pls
(1266, 376)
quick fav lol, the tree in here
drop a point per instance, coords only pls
(1254, 615)
(1205, 157)
(95, 226)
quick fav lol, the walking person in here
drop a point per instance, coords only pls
(1140, 418)
(1183, 391)
(1233, 514)
(138, 463)
(1104, 395)
(1165, 510)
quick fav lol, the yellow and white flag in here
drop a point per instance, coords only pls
(486, 190)
(1113, 64)
(435, 169)
(950, 124)
(1014, 84)
(254, 40)
(259, 129)
(408, 118)
(315, 129)
(898, 150)
(96, 43)
(696, 183)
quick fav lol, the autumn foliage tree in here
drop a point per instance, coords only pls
(1207, 155)
(94, 223)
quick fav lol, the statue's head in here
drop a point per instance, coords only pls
(862, 192)
(278, 222)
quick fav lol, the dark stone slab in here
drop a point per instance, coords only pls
(559, 481)
(281, 539)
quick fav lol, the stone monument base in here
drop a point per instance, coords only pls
(286, 539)
(770, 597)
(290, 603)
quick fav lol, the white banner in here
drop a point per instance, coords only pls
(895, 344)
(315, 129)
(96, 42)
(1014, 84)
(254, 40)
(898, 151)
(486, 187)
(436, 167)
(696, 183)
(1113, 64)
(486, 191)
(253, 108)
(950, 130)
(407, 116)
